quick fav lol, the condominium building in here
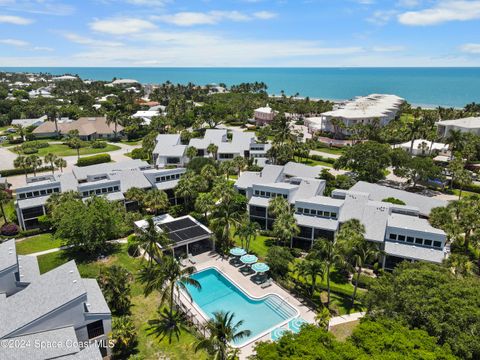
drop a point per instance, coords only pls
(264, 115)
(111, 180)
(170, 151)
(402, 231)
(361, 110)
(470, 125)
(57, 314)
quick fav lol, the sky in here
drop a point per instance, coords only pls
(236, 33)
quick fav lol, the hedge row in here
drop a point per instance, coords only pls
(322, 158)
(13, 172)
(472, 187)
(93, 160)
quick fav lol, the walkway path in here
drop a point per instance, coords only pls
(337, 320)
(6, 158)
(324, 154)
(49, 251)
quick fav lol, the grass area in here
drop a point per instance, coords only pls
(64, 150)
(132, 142)
(311, 162)
(465, 193)
(259, 246)
(343, 331)
(37, 243)
(9, 209)
(143, 308)
(330, 150)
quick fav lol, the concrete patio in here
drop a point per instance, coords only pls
(212, 259)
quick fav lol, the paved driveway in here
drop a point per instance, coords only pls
(6, 159)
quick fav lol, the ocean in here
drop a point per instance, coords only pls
(449, 87)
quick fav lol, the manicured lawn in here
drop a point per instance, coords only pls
(37, 243)
(9, 209)
(132, 142)
(312, 162)
(143, 308)
(64, 150)
(259, 246)
(343, 331)
(330, 150)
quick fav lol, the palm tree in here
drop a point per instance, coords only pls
(285, 227)
(4, 199)
(124, 336)
(456, 140)
(212, 149)
(209, 172)
(19, 130)
(21, 163)
(114, 117)
(152, 240)
(156, 200)
(60, 163)
(323, 318)
(223, 331)
(189, 186)
(204, 204)
(239, 163)
(460, 265)
(168, 324)
(50, 159)
(310, 268)
(247, 231)
(136, 194)
(74, 141)
(226, 167)
(52, 115)
(167, 277)
(278, 205)
(34, 162)
(115, 284)
(329, 253)
(191, 152)
(413, 130)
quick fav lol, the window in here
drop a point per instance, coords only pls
(29, 195)
(401, 238)
(157, 179)
(333, 215)
(419, 241)
(43, 192)
(85, 193)
(163, 178)
(36, 193)
(21, 196)
(56, 190)
(110, 189)
(427, 242)
(437, 244)
(257, 192)
(326, 214)
(98, 191)
(49, 191)
(393, 236)
(268, 194)
(313, 212)
(285, 196)
(409, 239)
(300, 210)
(319, 213)
(95, 329)
(116, 188)
(306, 211)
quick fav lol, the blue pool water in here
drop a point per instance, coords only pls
(219, 294)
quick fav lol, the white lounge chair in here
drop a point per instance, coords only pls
(266, 283)
(190, 258)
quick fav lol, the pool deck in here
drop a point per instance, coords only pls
(207, 260)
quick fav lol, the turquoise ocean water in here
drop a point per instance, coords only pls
(421, 86)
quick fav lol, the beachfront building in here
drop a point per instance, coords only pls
(264, 115)
(187, 235)
(423, 147)
(111, 180)
(402, 231)
(89, 128)
(169, 151)
(57, 307)
(361, 110)
(470, 125)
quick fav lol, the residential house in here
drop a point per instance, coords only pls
(465, 125)
(29, 122)
(89, 128)
(423, 147)
(264, 115)
(402, 231)
(58, 308)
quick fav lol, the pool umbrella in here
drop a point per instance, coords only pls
(249, 259)
(296, 324)
(260, 267)
(278, 333)
(236, 251)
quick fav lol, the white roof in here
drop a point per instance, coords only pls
(414, 252)
(417, 144)
(124, 81)
(468, 123)
(371, 106)
(317, 222)
(266, 109)
(412, 223)
(29, 122)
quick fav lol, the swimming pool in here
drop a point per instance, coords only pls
(259, 315)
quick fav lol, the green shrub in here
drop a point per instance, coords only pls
(322, 158)
(31, 232)
(393, 200)
(15, 141)
(98, 144)
(132, 245)
(95, 159)
(365, 281)
(13, 172)
(30, 150)
(138, 153)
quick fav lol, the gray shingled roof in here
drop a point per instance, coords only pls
(52, 290)
(28, 268)
(65, 338)
(378, 192)
(91, 352)
(96, 303)
(8, 255)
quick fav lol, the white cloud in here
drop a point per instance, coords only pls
(265, 15)
(408, 3)
(43, 48)
(88, 41)
(443, 11)
(148, 2)
(190, 18)
(15, 20)
(389, 48)
(470, 48)
(46, 7)
(381, 17)
(121, 26)
(14, 42)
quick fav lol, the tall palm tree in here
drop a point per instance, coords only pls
(113, 117)
(52, 115)
(152, 240)
(168, 278)
(60, 163)
(19, 130)
(21, 163)
(278, 205)
(156, 200)
(191, 152)
(285, 227)
(310, 269)
(413, 130)
(34, 162)
(136, 194)
(329, 252)
(124, 336)
(323, 318)
(226, 167)
(239, 163)
(212, 149)
(460, 265)
(223, 331)
(209, 173)
(204, 204)
(115, 284)
(50, 159)
(455, 139)
(247, 231)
